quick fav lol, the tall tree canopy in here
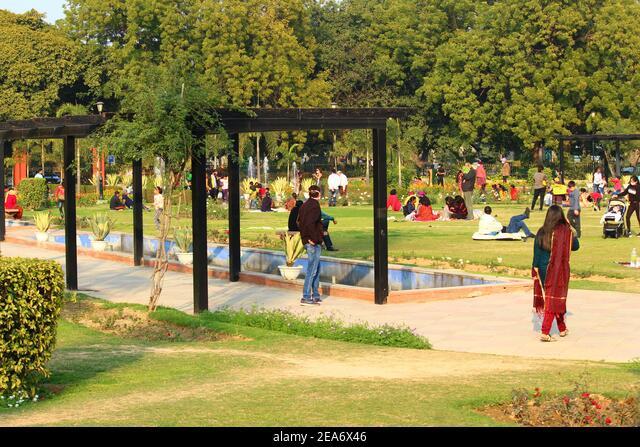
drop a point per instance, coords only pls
(38, 63)
(529, 69)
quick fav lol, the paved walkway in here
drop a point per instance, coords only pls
(603, 325)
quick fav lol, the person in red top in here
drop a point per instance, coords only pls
(58, 196)
(393, 201)
(425, 211)
(617, 185)
(11, 206)
(481, 178)
(514, 193)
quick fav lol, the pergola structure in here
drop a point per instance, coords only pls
(234, 123)
(593, 138)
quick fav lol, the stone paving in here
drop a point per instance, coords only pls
(604, 326)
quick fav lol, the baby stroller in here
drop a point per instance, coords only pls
(614, 226)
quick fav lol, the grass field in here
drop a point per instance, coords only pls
(260, 378)
(441, 244)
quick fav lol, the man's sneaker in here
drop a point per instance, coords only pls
(317, 301)
(564, 333)
(332, 249)
(304, 302)
(527, 212)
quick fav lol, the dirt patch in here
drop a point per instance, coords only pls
(136, 324)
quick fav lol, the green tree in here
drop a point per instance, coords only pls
(163, 115)
(529, 69)
(37, 63)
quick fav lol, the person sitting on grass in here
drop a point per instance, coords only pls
(425, 211)
(267, 203)
(496, 192)
(128, 202)
(326, 220)
(11, 206)
(514, 193)
(459, 209)
(115, 203)
(393, 201)
(490, 226)
(446, 211)
(409, 209)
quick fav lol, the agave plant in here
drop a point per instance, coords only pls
(305, 184)
(158, 181)
(293, 247)
(146, 180)
(280, 187)
(184, 239)
(43, 220)
(101, 225)
(113, 179)
(95, 179)
(245, 184)
(126, 179)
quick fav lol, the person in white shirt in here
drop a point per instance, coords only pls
(333, 183)
(598, 181)
(158, 204)
(39, 174)
(489, 225)
(344, 182)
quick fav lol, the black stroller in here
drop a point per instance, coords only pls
(612, 221)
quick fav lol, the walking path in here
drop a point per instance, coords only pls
(603, 325)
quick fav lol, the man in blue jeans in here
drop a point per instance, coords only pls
(312, 233)
(489, 225)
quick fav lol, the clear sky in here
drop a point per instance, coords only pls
(53, 8)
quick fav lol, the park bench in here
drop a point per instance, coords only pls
(11, 212)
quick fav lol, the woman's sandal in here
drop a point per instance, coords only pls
(547, 337)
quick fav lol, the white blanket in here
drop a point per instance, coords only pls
(498, 237)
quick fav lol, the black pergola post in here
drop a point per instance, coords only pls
(138, 235)
(70, 242)
(561, 153)
(380, 247)
(4, 146)
(618, 166)
(199, 223)
(234, 209)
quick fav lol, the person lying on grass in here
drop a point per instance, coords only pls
(489, 225)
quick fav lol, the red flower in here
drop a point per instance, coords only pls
(566, 400)
(607, 421)
(598, 406)
(585, 394)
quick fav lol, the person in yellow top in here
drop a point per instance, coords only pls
(559, 191)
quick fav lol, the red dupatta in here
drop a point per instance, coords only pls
(553, 297)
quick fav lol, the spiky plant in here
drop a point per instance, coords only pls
(126, 179)
(305, 184)
(245, 184)
(280, 186)
(43, 220)
(183, 238)
(113, 179)
(101, 225)
(293, 247)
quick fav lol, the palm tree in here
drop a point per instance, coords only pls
(288, 155)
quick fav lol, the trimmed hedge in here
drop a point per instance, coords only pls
(33, 193)
(31, 296)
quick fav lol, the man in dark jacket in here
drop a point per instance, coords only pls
(468, 183)
(311, 232)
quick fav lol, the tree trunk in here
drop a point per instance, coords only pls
(162, 262)
(366, 176)
(42, 155)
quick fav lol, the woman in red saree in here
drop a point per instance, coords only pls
(11, 206)
(550, 271)
(425, 211)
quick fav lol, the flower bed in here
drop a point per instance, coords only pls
(576, 409)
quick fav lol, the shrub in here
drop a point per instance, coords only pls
(31, 293)
(86, 200)
(33, 193)
(325, 327)
(217, 211)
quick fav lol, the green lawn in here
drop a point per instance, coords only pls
(423, 243)
(269, 378)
